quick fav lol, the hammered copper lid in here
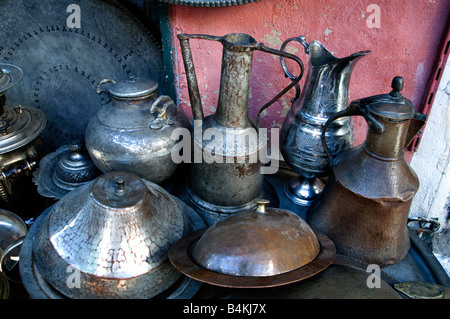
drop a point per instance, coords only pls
(261, 242)
(116, 232)
(262, 247)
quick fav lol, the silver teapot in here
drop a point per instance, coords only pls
(133, 132)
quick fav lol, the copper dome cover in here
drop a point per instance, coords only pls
(261, 247)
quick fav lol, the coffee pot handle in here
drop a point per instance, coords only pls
(357, 107)
(294, 79)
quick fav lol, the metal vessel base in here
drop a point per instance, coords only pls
(303, 191)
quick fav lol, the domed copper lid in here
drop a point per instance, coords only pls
(115, 232)
(262, 247)
(262, 242)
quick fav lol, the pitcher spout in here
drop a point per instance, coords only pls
(319, 56)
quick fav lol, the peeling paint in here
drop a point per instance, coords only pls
(327, 31)
(273, 40)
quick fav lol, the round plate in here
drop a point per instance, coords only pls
(63, 64)
(180, 256)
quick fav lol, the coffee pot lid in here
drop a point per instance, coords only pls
(392, 105)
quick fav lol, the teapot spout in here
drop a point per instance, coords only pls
(415, 126)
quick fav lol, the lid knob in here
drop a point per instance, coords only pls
(261, 208)
(397, 86)
(120, 183)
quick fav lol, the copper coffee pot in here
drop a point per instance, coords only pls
(366, 202)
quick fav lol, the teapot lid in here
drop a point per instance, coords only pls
(392, 105)
(133, 88)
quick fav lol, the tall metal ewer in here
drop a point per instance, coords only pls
(325, 93)
(227, 178)
(365, 205)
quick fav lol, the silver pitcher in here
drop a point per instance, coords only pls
(325, 93)
(227, 178)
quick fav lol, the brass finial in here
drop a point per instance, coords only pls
(261, 208)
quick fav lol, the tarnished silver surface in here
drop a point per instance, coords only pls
(39, 288)
(114, 233)
(64, 63)
(208, 3)
(134, 132)
(65, 169)
(325, 93)
(227, 176)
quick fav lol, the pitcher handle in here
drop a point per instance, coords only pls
(191, 77)
(356, 108)
(303, 42)
(294, 82)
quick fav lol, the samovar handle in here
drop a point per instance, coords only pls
(357, 107)
(294, 82)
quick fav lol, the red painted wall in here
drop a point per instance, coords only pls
(405, 43)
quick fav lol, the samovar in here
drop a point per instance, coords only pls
(325, 93)
(225, 176)
(21, 146)
(365, 204)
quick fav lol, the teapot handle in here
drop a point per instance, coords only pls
(104, 81)
(357, 107)
(163, 118)
(294, 82)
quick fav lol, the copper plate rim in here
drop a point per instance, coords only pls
(181, 259)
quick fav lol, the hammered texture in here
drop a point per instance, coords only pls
(118, 252)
